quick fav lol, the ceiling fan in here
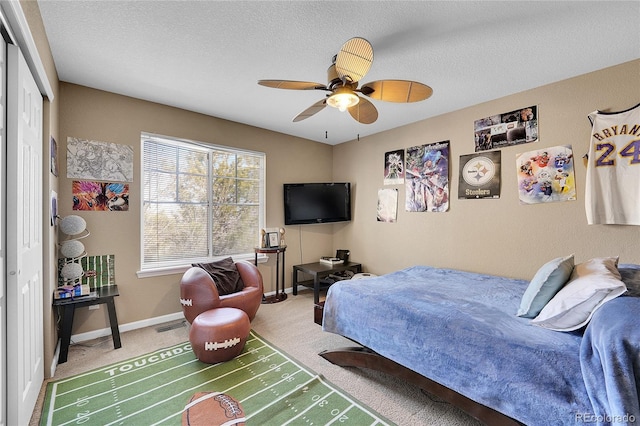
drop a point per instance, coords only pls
(349, 66)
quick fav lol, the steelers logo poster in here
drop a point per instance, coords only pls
(479, 176)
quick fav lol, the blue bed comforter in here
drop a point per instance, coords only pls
(611, 361)
(460, 330)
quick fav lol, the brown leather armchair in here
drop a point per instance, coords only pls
(198, 292)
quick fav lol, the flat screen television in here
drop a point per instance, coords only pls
(307, 203)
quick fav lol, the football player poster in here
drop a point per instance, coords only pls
(506, 129)
(546, 175)
(479, 175)
(427, 178)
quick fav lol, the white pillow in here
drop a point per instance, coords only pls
(592, 283)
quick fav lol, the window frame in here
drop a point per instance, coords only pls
(179, 266)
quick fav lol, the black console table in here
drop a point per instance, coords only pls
(103, 295)
(319, 270)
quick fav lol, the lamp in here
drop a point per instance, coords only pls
(343, 98)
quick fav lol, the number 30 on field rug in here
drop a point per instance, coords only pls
(262, 386)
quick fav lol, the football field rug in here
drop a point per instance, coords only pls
(261, 386)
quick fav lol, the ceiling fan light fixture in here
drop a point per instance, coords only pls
(343, 99)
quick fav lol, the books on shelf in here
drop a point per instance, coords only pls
(330, 260)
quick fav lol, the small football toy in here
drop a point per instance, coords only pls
(213, 408)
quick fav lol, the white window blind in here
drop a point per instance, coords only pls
(200, 201)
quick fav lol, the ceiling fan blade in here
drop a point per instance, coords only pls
(364, 111)
(354, 59)
(293, 85)
(397, 90)
(313, 109)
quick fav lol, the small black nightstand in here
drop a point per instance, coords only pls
(68, 306)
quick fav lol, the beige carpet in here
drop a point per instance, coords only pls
(288, 325)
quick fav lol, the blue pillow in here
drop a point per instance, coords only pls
(548, 281)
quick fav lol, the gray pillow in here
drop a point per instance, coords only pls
(224, 274)
(631, 277)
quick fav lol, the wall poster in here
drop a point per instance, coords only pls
(394, 167)
(387, 205)
(100, 196)
(479, 175)
(99, 271)
(53, 154)
(427, 178)
(99, 160)
(546, 175)
(506, 129)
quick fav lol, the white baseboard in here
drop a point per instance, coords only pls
(89, 335)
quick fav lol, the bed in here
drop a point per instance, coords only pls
(456, 334)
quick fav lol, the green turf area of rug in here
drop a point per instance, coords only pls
(271, 387)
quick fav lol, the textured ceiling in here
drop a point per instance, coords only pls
(207, 56)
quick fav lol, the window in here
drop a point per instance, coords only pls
(200, 202)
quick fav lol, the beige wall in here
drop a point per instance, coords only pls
(96, 115)
(490, 236)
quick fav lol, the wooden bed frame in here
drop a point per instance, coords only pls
(362, 357)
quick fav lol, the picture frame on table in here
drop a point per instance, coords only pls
(273, 239)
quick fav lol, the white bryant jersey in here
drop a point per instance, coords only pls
(612, 192)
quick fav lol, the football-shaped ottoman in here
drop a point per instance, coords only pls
(219, 334)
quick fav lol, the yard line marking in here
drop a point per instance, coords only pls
(342, 413)
(283, 396)
(354, 402)
(315, 403)
(274, 384)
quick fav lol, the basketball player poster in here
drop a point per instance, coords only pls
(612, 192)
(546, 175)
(394, 167)
(506, 129)
(427, 178)
(479, 176)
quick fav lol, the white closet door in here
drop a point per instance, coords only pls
(24, 163)
(3, 299)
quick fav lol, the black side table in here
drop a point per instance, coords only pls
(103, 295)
(319, 270)
(279, 251)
